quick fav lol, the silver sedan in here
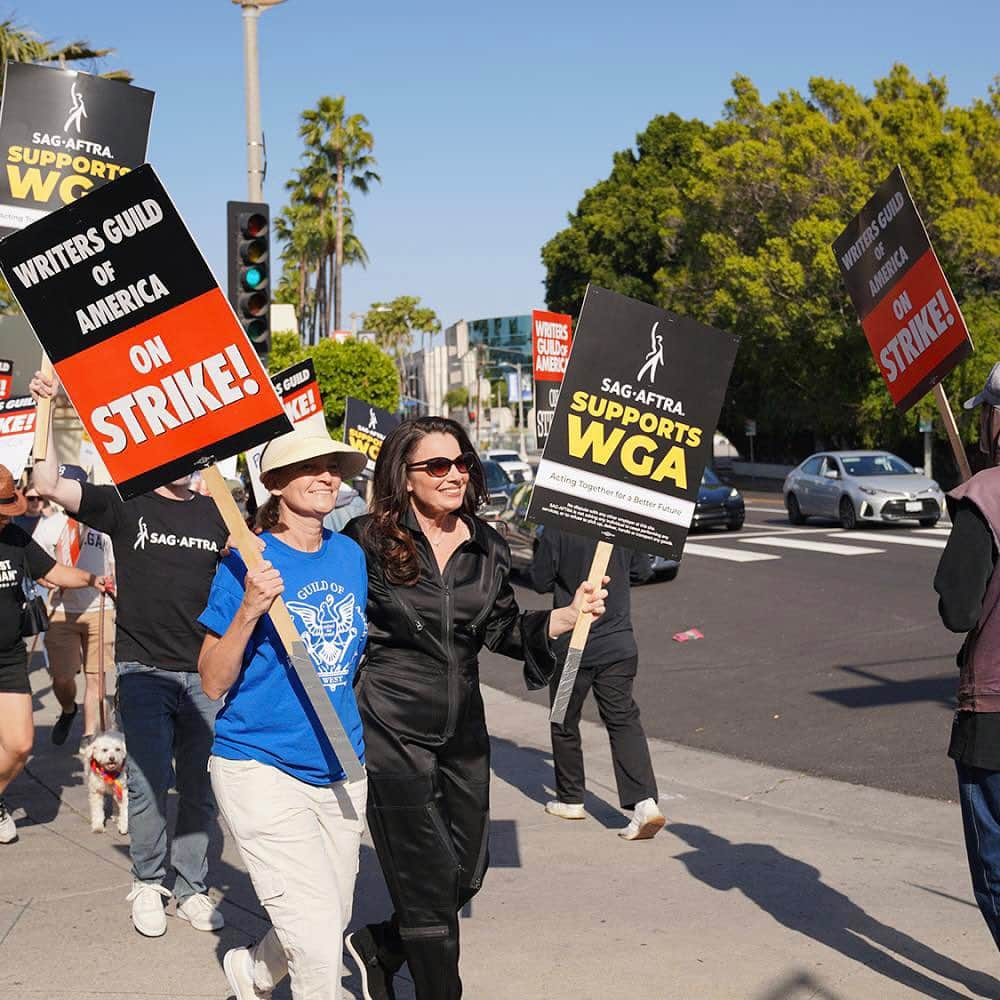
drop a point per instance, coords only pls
(857, 486)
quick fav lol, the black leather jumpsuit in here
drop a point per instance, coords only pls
(426, 745)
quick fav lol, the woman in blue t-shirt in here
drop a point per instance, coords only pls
(282, 791)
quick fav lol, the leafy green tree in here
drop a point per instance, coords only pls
(394, 324)
(344, 368)
(731, 223)
(455, 399)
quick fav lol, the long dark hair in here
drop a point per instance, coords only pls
(384, 534)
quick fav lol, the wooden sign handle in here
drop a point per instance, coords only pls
(43, 417)
(246, 541)
(951, 428)
(598, 570)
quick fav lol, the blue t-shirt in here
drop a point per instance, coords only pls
(267, 716)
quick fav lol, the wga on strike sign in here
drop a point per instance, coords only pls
(146, 344)
(17, 432)
(551, 335)
(911, 319)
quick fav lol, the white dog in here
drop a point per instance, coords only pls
(104, 761)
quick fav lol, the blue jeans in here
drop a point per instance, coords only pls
(168, 722)
(979, 793)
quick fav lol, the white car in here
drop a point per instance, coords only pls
(511, 463)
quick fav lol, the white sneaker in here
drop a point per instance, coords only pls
(8, 831)
(148, 916)
(647, 821)
(238, 967)
(565, 810)
(202, 912)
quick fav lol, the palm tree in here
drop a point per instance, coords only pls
(342, 145)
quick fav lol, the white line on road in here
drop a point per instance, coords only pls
(800, 543)
(733, 555)
(872, 536)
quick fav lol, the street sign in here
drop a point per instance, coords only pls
(551, 338)
(926, 426)
(63, 135)
(913, 324)
(750, 428)
(633, 426)
(366, 426)
(159, 370)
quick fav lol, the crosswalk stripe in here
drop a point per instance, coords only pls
(894, 539)
(800, 543)
(733, 555)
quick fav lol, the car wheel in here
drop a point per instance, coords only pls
(734, 525)
(848, 515)
(795, 514)
(928, 522)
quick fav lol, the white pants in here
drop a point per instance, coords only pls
(300, 844)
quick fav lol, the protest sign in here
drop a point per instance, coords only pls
(6, 378)
(63, 134)
(633, 426)
(148, 348)
(551, 338)
(366, 427)
(913, 324)
(17, 432)
(299, 391)
(630, 438)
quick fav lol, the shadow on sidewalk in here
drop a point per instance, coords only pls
(530, 771)
(793, 893)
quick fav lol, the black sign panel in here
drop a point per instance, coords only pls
(366, 427)
(159, 369)
(63, 134)
(633, 426)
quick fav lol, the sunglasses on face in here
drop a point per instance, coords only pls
(440, 467)
(30, 498)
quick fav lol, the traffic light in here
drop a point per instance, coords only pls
(248, 225)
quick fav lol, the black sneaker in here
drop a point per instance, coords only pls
(376, 980)
(62, 727)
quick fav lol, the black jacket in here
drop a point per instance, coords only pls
(428, 636)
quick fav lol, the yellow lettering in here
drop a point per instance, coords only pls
(72, 186)
(579, 401)
(673, 467)
(592, 440)
(694, 437)
(31, 184)
(628, 457)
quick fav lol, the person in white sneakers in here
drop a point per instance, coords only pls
(167, 544)
(609, 665)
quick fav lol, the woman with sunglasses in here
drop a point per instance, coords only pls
(438, 591)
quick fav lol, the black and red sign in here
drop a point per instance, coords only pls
(159, 369)
(551, 339)
(6, 378)
(634, 424)
(17, 433)
(366, 426)
(913, 324)
(63, 134)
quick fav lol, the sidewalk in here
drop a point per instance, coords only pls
(766, 885)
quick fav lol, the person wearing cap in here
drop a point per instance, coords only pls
(968, 587)
(21, 559)
(167, 544)
(284, 795)
(77, 639)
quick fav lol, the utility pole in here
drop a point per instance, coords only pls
(251, 73)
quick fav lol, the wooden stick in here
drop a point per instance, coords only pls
(43, 417)
(951, 428)
(102, 718)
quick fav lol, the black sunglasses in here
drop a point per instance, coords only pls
(440, 467)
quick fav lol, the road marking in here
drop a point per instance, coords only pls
(943, 532)
(828, 547)
(871, 536)
(733, 555)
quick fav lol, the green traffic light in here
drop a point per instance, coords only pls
(253, 277)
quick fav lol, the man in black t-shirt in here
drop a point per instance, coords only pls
(166, 546)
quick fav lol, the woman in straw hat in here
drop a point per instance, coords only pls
(21, 560)
(439, 591)
(282, 791)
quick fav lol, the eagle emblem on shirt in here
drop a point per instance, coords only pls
(330, 630)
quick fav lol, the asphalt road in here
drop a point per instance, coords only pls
(822, 651)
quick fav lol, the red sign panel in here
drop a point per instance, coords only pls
(551, 339)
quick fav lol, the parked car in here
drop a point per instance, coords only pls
(718, 504)
(858, 486)
(511, 463)
(522, 535)
(499, 485)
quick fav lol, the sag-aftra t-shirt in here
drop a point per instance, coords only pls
(166, 552)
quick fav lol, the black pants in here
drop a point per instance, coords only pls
(612, 686)
(428, 813)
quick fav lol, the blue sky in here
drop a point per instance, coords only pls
(489, 120)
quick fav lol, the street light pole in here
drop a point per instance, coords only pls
(251, 75)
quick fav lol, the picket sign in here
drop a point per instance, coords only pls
(246, 542)
(43, 416)
(578, 640)
(944, 408)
